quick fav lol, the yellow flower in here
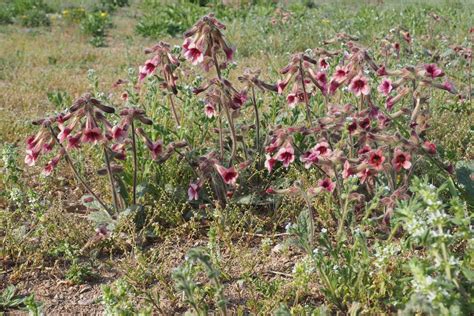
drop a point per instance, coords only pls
(65, 12)
(325, 21)
(103, 14)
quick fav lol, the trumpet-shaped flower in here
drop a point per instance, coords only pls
(327, 184)
(359, 85)
(401, 160)
(229, 175)
(376, 159)
(286, 155)
(385, 87)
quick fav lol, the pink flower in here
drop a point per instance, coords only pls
(359, 85)
(364, 174)
(192, 52)
(281, 85)
(449, 86)
(31, 157)
(431, 70)
(365, 123)
(48, 169)
(193, 191)
(229, 52)
(376, 159)
(210, 110)
(364, 150)
(62, 136)
(389, 103)
(352, 127)
(323, 149)
(385, 87)
(401, 160)
(119, 133)
(124, 96)
(322, 81)
(429, 147)
(286, 155)
(333, 85)
(309, 158)
(147, 69)
(292, 100)
(156, 148)
(269, 162)
(382, 71)
(340, 74)
(119, 151)
(327, 184)
(47, 147)
(74, 141)
(323, 64)
(238, 100)
(92, 135)
(348, 170)
(229, 175)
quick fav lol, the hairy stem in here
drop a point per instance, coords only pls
(111, 179)
(221, 137)
(135, 165)
(257, 122)
(470, 79)
(76, 173)
(232, 133)
(173, 108)
(343, 217)
(305, 94)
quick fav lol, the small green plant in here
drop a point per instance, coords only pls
(34, 18)
(79, 272)
(170, 19)
(194, 292)
(30, 13)
(117, 300)
(95, 24)
(34, 307)
(74, 15)
(442, 279)
(9, 299)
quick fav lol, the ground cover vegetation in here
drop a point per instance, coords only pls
(236, 158)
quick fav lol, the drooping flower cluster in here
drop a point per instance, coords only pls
(163, 60)
(82, 124)
(204, 41)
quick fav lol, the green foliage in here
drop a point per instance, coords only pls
(95, 24)
(442, 279)
(9, 301)
(194, 292)
(118, 300)
(170, 19)
(29, 13)
(79, 272)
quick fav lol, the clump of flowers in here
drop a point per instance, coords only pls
(86, 123)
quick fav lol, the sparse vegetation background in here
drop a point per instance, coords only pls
(236, 157)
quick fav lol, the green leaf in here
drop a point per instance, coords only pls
(465, 176)
(102, 217)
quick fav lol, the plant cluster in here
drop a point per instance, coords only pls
(354, 127)
(29, 13)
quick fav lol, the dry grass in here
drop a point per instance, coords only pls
(34, 62)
